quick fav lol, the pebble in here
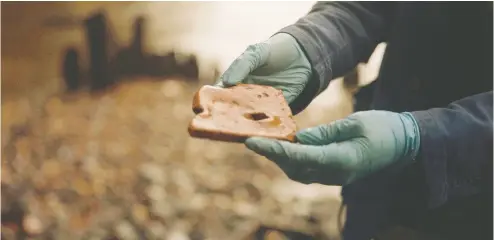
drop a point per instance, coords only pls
(54, 204)
(274, 235)
(117, 150)
(184, 181)
(140, 213)
(98, 234)
(177, 235)
(222, 201)
(240, 193)
(65, 154)
(126, 175)
(216, 182)
(9, 233)
(284, 190)
(53, 106)
(78, 223)
(51, 168)
(243, 208)
(161, 209)
(32, 225)
(93, 148)
(159, 153)
(23, 148)
(82, 187)
(216, 152)
(156, 230)
(301, 208)
(172, 88)
(260, 181)
(99, 187)
(156, 193)
(181, 112)
(125, 231)
(109, 214)
(90, 164)
(153, 173)
(198, 202)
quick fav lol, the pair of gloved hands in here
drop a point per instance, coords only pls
(337, 153)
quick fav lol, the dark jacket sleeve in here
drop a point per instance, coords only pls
(456, 148)
(336, 36)
(452, 175)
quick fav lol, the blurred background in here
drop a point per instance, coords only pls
(96, 99)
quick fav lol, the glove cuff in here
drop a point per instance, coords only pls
(412, 135)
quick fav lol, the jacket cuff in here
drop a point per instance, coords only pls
(320, 62)
(432, 157)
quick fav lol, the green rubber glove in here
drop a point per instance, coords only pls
(346, 150)
(278, 62)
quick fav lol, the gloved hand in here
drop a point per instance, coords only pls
(346, 150)
(278, 62)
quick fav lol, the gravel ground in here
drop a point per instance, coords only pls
(120, 165)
